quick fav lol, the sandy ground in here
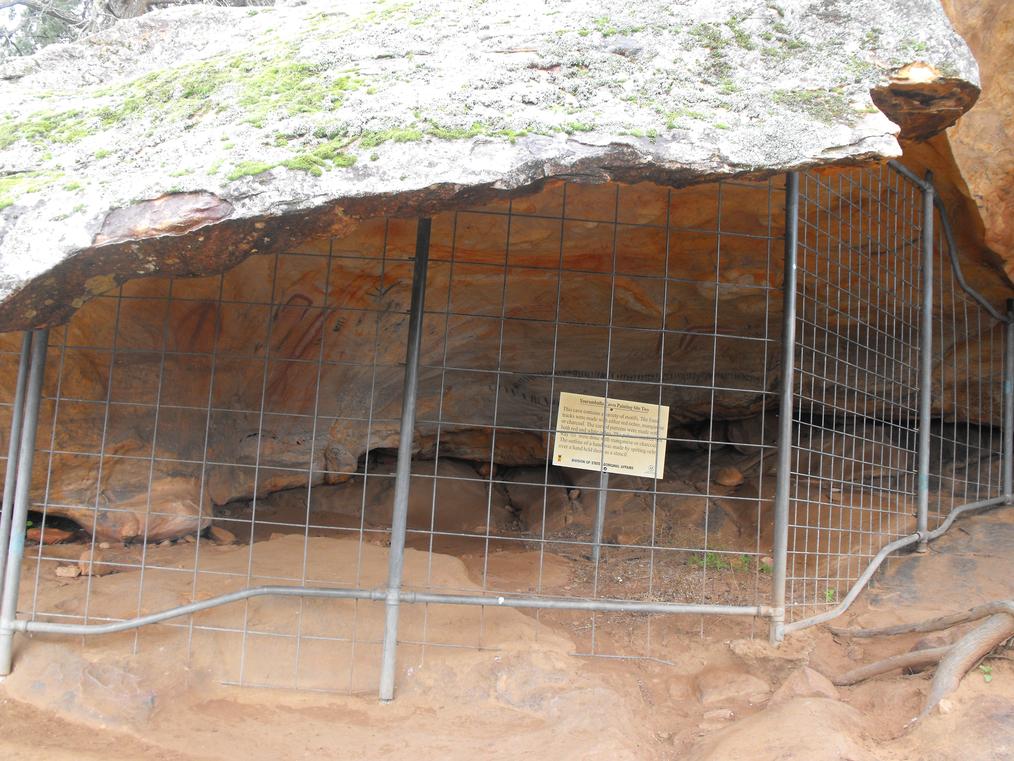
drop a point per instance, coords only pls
(524, 695)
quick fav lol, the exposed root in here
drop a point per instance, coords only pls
(954, 661)
(926, 657)
(964, 655)
(932, 624)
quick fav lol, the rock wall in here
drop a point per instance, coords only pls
(983, 139)
(294, 361)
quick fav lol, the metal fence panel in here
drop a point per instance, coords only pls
(857, 378)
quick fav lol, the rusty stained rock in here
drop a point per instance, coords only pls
(118, 256)
(170, 214)
(352, 313)
(922, 101)
(981, 140)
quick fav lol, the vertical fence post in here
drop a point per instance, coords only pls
(403, 473)
(12, 573)
(780, 549)
(600, 514)
(13, 448)
(925, 365)
(1008, 406)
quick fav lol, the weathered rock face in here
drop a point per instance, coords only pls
(982, 140)
(214, 133)
(255, 145)
(278, 340)
(287, 362)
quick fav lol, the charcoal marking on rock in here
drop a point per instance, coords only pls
(378, 292)
(296, 341)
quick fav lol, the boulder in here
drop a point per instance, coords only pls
(729, 686)
(807, 728)
(805, 683)
(214, 134)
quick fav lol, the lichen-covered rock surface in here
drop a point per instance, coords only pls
(181, 142)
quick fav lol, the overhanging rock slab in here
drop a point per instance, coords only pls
(182, 141)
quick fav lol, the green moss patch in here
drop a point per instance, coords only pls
(249, 169)
(14, 186)
(372, 139)
(257, 87)
(324, 157)
(321, 159)
(828, 106)
(47, 127)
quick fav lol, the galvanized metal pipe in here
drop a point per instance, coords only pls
(600, 516)
(537, 603)
(881, 556)
(403, 473)
(381, 595)
(1008, 407)
(13, 447)
(26, 456)
(925, 366)
(780, 550)
(908, 174)
(952, 249)
(952, 253)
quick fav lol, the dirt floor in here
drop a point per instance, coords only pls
(718, 694)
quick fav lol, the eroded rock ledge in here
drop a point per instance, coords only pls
(214, 133)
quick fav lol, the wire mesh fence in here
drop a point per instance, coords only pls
(201, 440)
(969, 350)
(856, 388)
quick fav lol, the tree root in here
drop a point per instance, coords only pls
(954, 661)
(926, 657)
(932, 624)
(964, 654)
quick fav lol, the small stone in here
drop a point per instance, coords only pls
(190, 539)
(220, 535)
(719, 686)
(68, 571)
(728, 476)
(719, 714)
(48, 535)
(92, 565)
(165, 543)
(805, 683)
(945, 706)
(104, 545)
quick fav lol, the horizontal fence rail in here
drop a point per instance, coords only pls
(271, 462)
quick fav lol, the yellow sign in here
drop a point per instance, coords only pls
(596, 433)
